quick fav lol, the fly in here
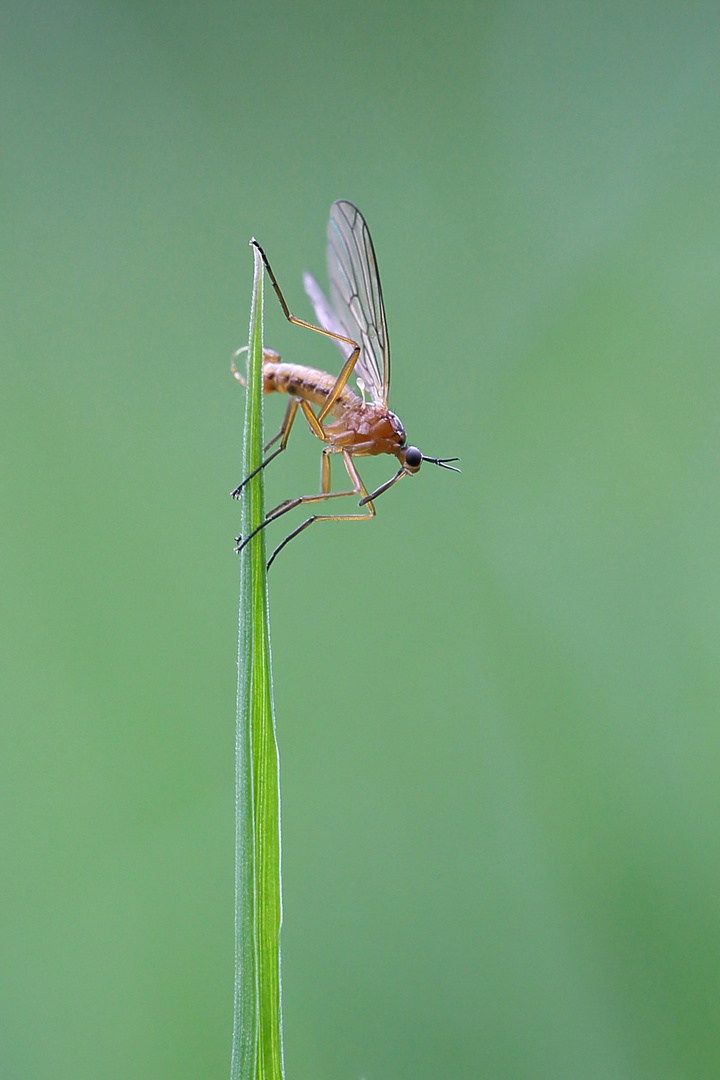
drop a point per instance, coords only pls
(348, 423)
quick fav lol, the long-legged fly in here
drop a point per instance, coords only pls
(348, 423)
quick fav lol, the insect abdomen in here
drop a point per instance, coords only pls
(304, 382)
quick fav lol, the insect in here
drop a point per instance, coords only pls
(348, 423)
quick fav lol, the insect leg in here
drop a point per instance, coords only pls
(324, 487)
(290, 504)
(383, 487)
(349, 363)
(313, 422)
(283, 434)
(358, 489)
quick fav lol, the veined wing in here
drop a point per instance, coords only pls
(357, 309)
(356, 296)
(326, 317)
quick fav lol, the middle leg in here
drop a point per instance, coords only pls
(358, 488)
(283, 434)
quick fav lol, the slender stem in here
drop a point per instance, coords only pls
(257, 1038)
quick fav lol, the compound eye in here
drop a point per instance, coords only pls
(413, 457)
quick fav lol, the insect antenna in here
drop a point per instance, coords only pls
(443, 462)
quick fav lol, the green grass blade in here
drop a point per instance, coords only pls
(257, 1038)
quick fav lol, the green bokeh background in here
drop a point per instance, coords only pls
(498, 705)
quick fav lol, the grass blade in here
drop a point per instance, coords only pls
(257, 1037)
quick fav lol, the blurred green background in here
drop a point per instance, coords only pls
(498, 705)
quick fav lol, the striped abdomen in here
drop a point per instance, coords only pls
(305, 382)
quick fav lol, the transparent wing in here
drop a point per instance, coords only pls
(356, 296)
(326, 317)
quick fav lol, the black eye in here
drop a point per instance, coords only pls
(413, 457)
